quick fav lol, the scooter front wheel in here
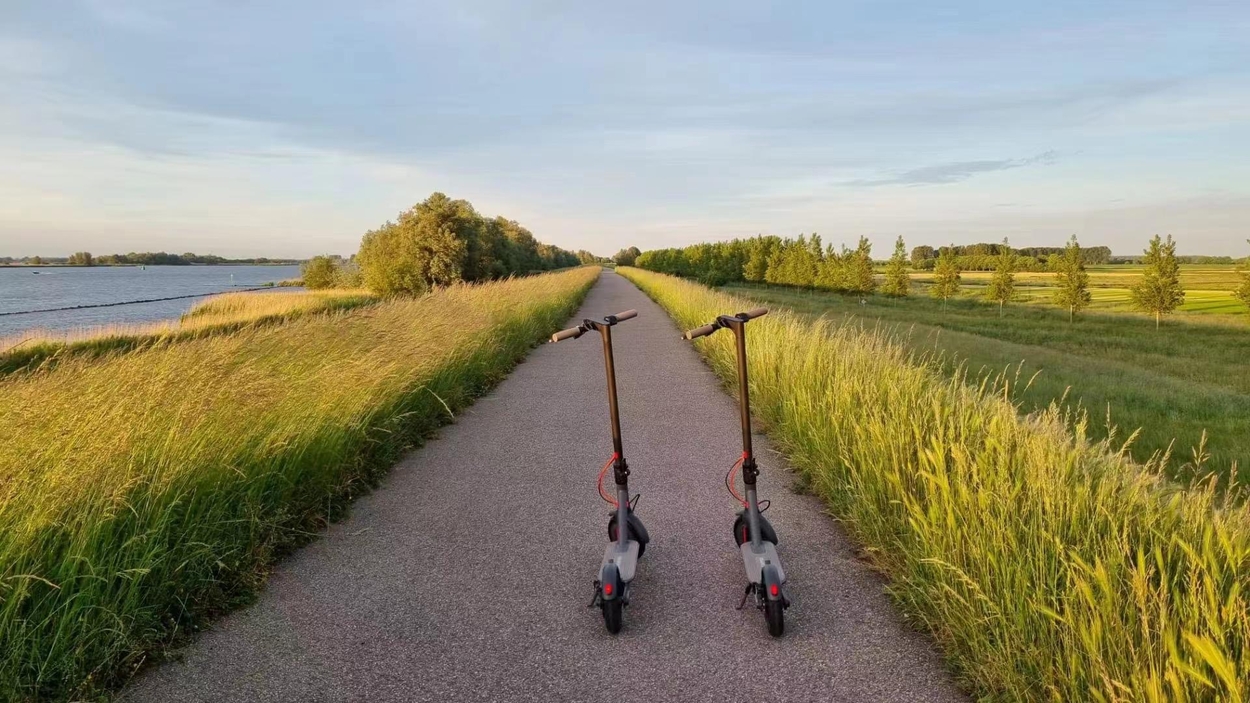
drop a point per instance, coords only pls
(613, 614)
(775, 614)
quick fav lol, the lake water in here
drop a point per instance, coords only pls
(23, 288)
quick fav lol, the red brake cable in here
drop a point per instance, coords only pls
(603, 472)
(729, 482)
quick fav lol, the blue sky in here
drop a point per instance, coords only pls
(290, 128)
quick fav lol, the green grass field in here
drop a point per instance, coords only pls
(1208, 290)
(146, 490)
(1046, 566)
(1173, 384)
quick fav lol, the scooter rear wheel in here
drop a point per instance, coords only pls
(775, 614)
(613, 614)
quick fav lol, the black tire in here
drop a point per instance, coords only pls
(613, 614)
(633, 534)
(775, 614)
(740, 530)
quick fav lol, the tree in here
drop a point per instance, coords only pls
(1072, 280)
(1003, 284)
(1243, 290)
(897, 282)
(427, 247)
(36, 260)
(1159, 289)
(759, 250)
(319, 272)
(81, 258)
(859, 271)
(626, 257)
(946, 278)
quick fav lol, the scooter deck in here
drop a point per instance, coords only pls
(754, 560)
(626, 561)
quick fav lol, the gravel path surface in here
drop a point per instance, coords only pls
(466, 576)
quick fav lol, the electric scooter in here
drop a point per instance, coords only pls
(756, 538)
(620, 559)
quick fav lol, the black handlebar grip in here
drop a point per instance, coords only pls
(701, 331)
(627, 315)
(757, 312)
(565, 334)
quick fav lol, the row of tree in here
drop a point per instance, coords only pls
(985, 257)
(439, 242)
(150, 258)
(804, 262)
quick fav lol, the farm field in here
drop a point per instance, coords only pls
(144, 491)
(1208, 289)
(1174, 384)
(1046, 567)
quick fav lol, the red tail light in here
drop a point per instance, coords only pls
(772, 588)
(607, 589)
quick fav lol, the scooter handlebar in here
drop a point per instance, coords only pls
(572, 332)
(700, 331)
(627, 315)
(752, 314)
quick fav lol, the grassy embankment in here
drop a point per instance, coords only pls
(1047, 567)
(1208, 290)
(219, 314)
(1173, 383)
(143, 492)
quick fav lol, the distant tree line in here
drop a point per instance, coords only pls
(157, 258)
(803, 261)
(439, 242)
(984, 257)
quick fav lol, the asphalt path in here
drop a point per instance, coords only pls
(466, 575)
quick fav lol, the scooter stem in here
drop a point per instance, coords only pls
(620, 467)
(749, 469)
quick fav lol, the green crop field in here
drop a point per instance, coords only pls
(1174, 383)
(1208, 289)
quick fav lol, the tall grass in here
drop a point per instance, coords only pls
(1172, 387)
(220, 313)
(146, 491)
(1047, 566)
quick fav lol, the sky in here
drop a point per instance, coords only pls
(290, 128)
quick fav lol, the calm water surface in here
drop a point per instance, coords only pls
(24, 289)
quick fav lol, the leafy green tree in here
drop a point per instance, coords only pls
(860, 278)
(1003, 283)
(1072, 280)
(897, 282)
(946, 278)
(348, 275)
(1159, 290)
(796, 263)
(1243, 290)
(832, 272)
(759, 250)
(626, 257)
(81, 258)
(319, 272)
(36, 260)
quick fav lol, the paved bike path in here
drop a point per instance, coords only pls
(466, 575)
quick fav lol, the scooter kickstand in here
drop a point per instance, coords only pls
(595, 601)
(745, 595)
